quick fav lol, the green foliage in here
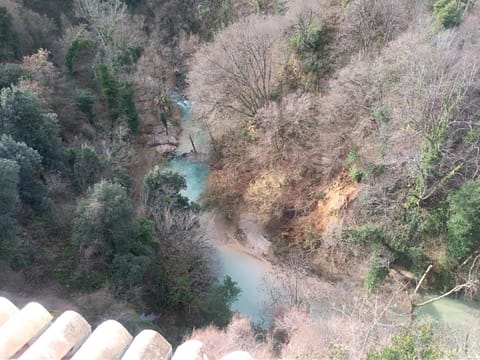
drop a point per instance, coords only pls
(128, 271)
(65, 264)
(75, 46)
(118, 96)
(9, 180)
(375, 275)
(396, 241)
(382, 114)
(127, 103)
(216, 307)
(109, 88)
(448, 12)
(10, 74)
(161, 190)
(366, 235)
(85, 99)
(127, 56)
(104, 231)
(352, 157)
(144, 238)
(120, 176)
(104, 221)
(34, 263)
(87, 168)
(8, 37)
(32, 191)
(309, 43)
(24, 118)
(355, 174)
(464, 221)
(409, 345)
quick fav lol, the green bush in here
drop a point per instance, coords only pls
(31, 189)
(127, 272)
(8, 37)
(216, 307)
(463, 225)
(120, 176)
(109, 87)
(87, 168)
(309, 42)
(9, 180)
(366, 235)
(448, 12)
(23, 116)
(161, 190)
(127, 103)
(382, 114)
(355, 174)
(377, 272)
(85, 99)
(409, 345)
(352, 157)
(10, 74)
(104, 224)
(118, 96)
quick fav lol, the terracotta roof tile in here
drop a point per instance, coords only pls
(29, 334)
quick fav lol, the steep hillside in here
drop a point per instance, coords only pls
(348, 130)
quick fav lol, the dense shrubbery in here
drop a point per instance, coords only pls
(104, 223)
(464, 221)
(31, 188)
(375, 275)
(10, 74)
(9, 179)
(109, 88)
(127, 104)
(24, 118)
(8, 37)
(87, 168)
(85, 100)
(448, 12)
(119, 97)
(310, 46)
(411, 344)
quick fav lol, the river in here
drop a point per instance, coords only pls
(235, 260)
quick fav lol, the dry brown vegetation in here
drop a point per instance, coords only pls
(403, 80)
(343, 324)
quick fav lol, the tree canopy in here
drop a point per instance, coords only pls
(9, 179)
(104, 222)
(464, 221)
(32, 191)
(24, 118)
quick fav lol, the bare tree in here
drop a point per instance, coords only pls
(236, 73)
(115, 28)
(374, 23)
